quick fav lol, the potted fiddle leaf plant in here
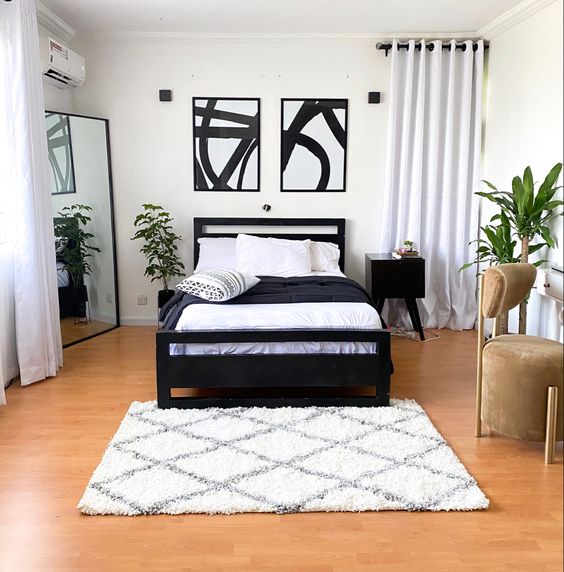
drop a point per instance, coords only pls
(160, 247)
(74, 248)
(529, 213)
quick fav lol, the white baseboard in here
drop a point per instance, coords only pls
(135, 321)
(110, 319)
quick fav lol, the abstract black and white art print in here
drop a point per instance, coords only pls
(59, 147)
(226, 144)
(314, 145)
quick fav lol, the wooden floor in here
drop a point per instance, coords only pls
(52, 436)
(72, 333)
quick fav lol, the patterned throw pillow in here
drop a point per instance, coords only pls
(218, 285)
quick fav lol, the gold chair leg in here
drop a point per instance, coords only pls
(551, 416)
(478, 421)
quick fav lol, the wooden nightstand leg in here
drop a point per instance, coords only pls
(413, 310)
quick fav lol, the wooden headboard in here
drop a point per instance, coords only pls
(320, 229)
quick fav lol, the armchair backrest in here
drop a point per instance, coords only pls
(505, 286)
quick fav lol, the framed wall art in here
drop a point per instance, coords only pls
(226, 143)
(314, 145)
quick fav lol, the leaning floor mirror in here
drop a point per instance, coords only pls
(83, 219)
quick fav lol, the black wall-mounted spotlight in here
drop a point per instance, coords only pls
(266, 208)
(373, 97)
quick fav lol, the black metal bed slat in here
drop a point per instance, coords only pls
(320, 237)
(321, 370)
(210, 336)
(227, 402)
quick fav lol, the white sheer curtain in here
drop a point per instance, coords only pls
(25, 199)
(432, 171)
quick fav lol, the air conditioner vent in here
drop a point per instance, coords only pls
(62, 67)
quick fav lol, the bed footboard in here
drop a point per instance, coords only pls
(273, 371)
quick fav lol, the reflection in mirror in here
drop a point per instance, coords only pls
(83, 221)
(59, 145)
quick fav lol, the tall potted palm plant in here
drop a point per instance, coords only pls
(529, 213)
(154, 227)
(496, 247)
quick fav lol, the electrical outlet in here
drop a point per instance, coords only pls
(109, 298)
(141, 300)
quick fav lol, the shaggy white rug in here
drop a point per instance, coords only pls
(278, 460)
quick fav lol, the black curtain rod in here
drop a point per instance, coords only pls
(405, 46)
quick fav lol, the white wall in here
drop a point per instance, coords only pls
(152, 141)
(56, 99)
(523, 123)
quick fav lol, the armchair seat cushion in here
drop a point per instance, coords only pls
(517, 370)
(530, 348)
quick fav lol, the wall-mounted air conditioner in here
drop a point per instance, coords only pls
(61, 67)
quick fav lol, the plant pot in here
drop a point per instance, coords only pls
(80, 297)
(163, 297)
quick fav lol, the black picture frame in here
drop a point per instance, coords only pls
(311, 108)
(66, 142)
(247, 125)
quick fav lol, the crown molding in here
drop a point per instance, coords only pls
(507, 20)
(512, 17)
(186, 37)
(51, 22)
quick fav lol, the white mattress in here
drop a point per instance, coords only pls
(306, 315)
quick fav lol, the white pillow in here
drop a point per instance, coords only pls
(324, 257)
(216, 253)
(272, 256)
(218, 285)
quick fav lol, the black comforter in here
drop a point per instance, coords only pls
(275, 290)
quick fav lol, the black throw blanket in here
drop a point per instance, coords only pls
(275, 290)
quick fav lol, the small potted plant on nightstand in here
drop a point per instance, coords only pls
(406, 250)
(408, 245)
(154, 227)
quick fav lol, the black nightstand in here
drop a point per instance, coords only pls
(389, 277)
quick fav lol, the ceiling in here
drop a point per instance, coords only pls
(279, 16)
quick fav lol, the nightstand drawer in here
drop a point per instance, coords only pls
(391, 278)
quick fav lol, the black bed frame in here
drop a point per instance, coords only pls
(274, 371)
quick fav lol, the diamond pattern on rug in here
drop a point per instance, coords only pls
(281, 460)
(221, 464)
(267, 445)
(164, 445)
(346, 462)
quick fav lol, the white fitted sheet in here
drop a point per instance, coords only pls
(306, 315)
